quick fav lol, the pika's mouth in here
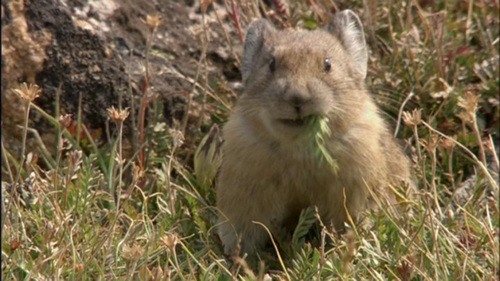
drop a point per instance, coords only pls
(295, 122)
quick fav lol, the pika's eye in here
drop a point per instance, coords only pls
(272, 64)
(327, 65)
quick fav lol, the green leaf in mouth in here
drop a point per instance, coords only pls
(318, 126)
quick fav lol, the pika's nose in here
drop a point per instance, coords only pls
(297, 100)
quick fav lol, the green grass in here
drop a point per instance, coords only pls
(89, 213)
(320, 131)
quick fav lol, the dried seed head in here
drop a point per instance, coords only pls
(414, 118)
(132, 253)
(205, 4)
(170, 240)
(138, 172)
(118, 115)
(447, 144)
(28, 92)
(465, 117)
(445, 93)
(177, 136)
(153, 22)
(65, 120)
(469, 104)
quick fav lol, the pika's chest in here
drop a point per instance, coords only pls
(300, 169)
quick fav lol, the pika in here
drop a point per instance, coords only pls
(270, 171)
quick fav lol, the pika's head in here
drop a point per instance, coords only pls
(292, 76)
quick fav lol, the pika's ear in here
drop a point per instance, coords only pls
(257, 32)
(347, 27)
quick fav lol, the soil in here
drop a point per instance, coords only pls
(96, 50)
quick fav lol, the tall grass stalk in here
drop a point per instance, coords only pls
(27, 94)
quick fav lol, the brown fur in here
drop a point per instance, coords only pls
(270, 171)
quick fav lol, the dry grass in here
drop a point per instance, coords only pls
(90, 214)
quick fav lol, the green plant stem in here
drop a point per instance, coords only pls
(21, 163)
(135, 137)
(23, 144)
(433, 181)
(118, 190)
(170, 186)
(417, 142)
(275, 248)
(482, 154)
(401, 108)
(435, 239)
(145, 99)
